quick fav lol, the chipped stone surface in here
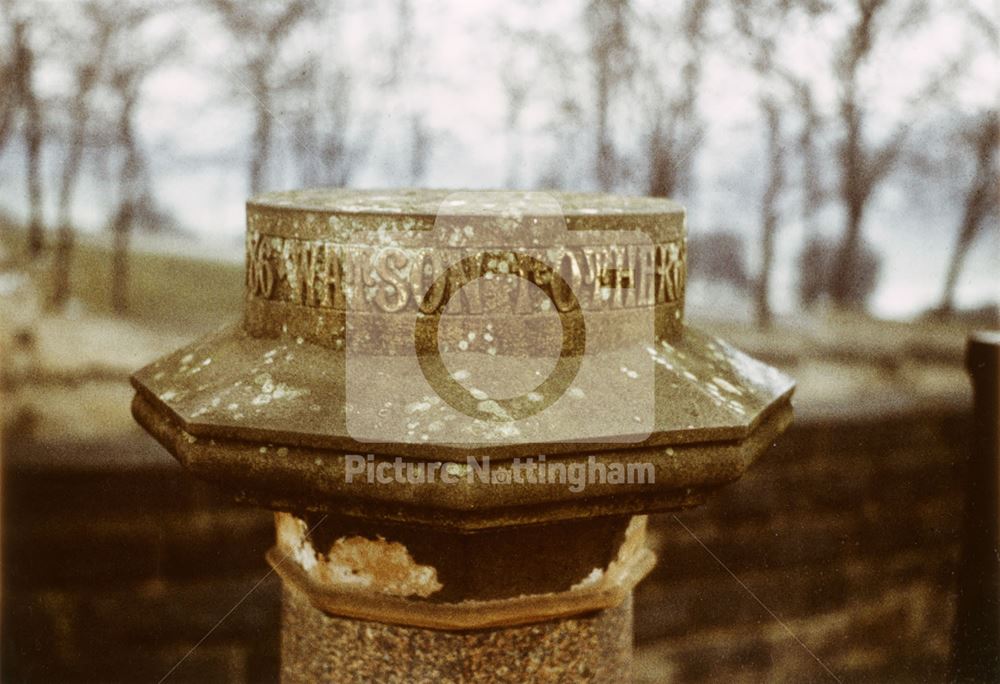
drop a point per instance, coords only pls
(416, 577)
(374, 565)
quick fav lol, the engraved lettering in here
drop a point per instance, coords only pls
(260, 272)
(646, 290)
(392, 267)
(319, 273)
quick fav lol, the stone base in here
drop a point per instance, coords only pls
(317, 647)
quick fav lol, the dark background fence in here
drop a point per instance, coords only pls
(847, 530)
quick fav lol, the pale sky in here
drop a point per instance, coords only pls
(195, 124)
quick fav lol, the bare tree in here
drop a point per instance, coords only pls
(769, 209)
(981, 201)
(402, 46)
(612, 58)
(126, 83)
(10, 97)
(339, 154)
(812, 182)
(328, 150)
(816, 265)
(516, 85)
(104, 20)
(862, 167)
(676, 128)
(33, 126)
(420, 147)
(404, 53)
(762, 36)
(516, 92)
(720, 256)
(21, 97)
(565, 127)
(261, 33)
(981, 137)
(132, 66)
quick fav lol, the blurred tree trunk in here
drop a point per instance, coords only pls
(605, 166)
(611, 56)
(131, 187)
(21, 95)
(812, 184)
(516, 91)
(662, 162)
(399, 51)
(260, 150)
(404, 54)
(420, 148)
(261, 34)
(854, 194)
(338, 157)
(861, 169)
(323, 138)
(33, 143)
(9, 99)
(122, 231)
(812, 286)
(769, 210)
(980, 201)
(87, 75)
(676, 131)
(131, 64)
(762, 28)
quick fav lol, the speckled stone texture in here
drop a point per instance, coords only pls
(269, 408)
(316, 647)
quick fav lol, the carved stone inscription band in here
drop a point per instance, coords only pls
(319, 280)
(340, 276)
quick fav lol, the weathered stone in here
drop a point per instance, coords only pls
(405, 512)
(317, 647)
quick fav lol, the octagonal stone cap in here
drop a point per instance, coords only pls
(310, 479)
(242, 412)
(263, 407)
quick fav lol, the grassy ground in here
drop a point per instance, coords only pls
(168, 291)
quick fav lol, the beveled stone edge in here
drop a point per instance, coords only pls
(247, 479)
(658, 439)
